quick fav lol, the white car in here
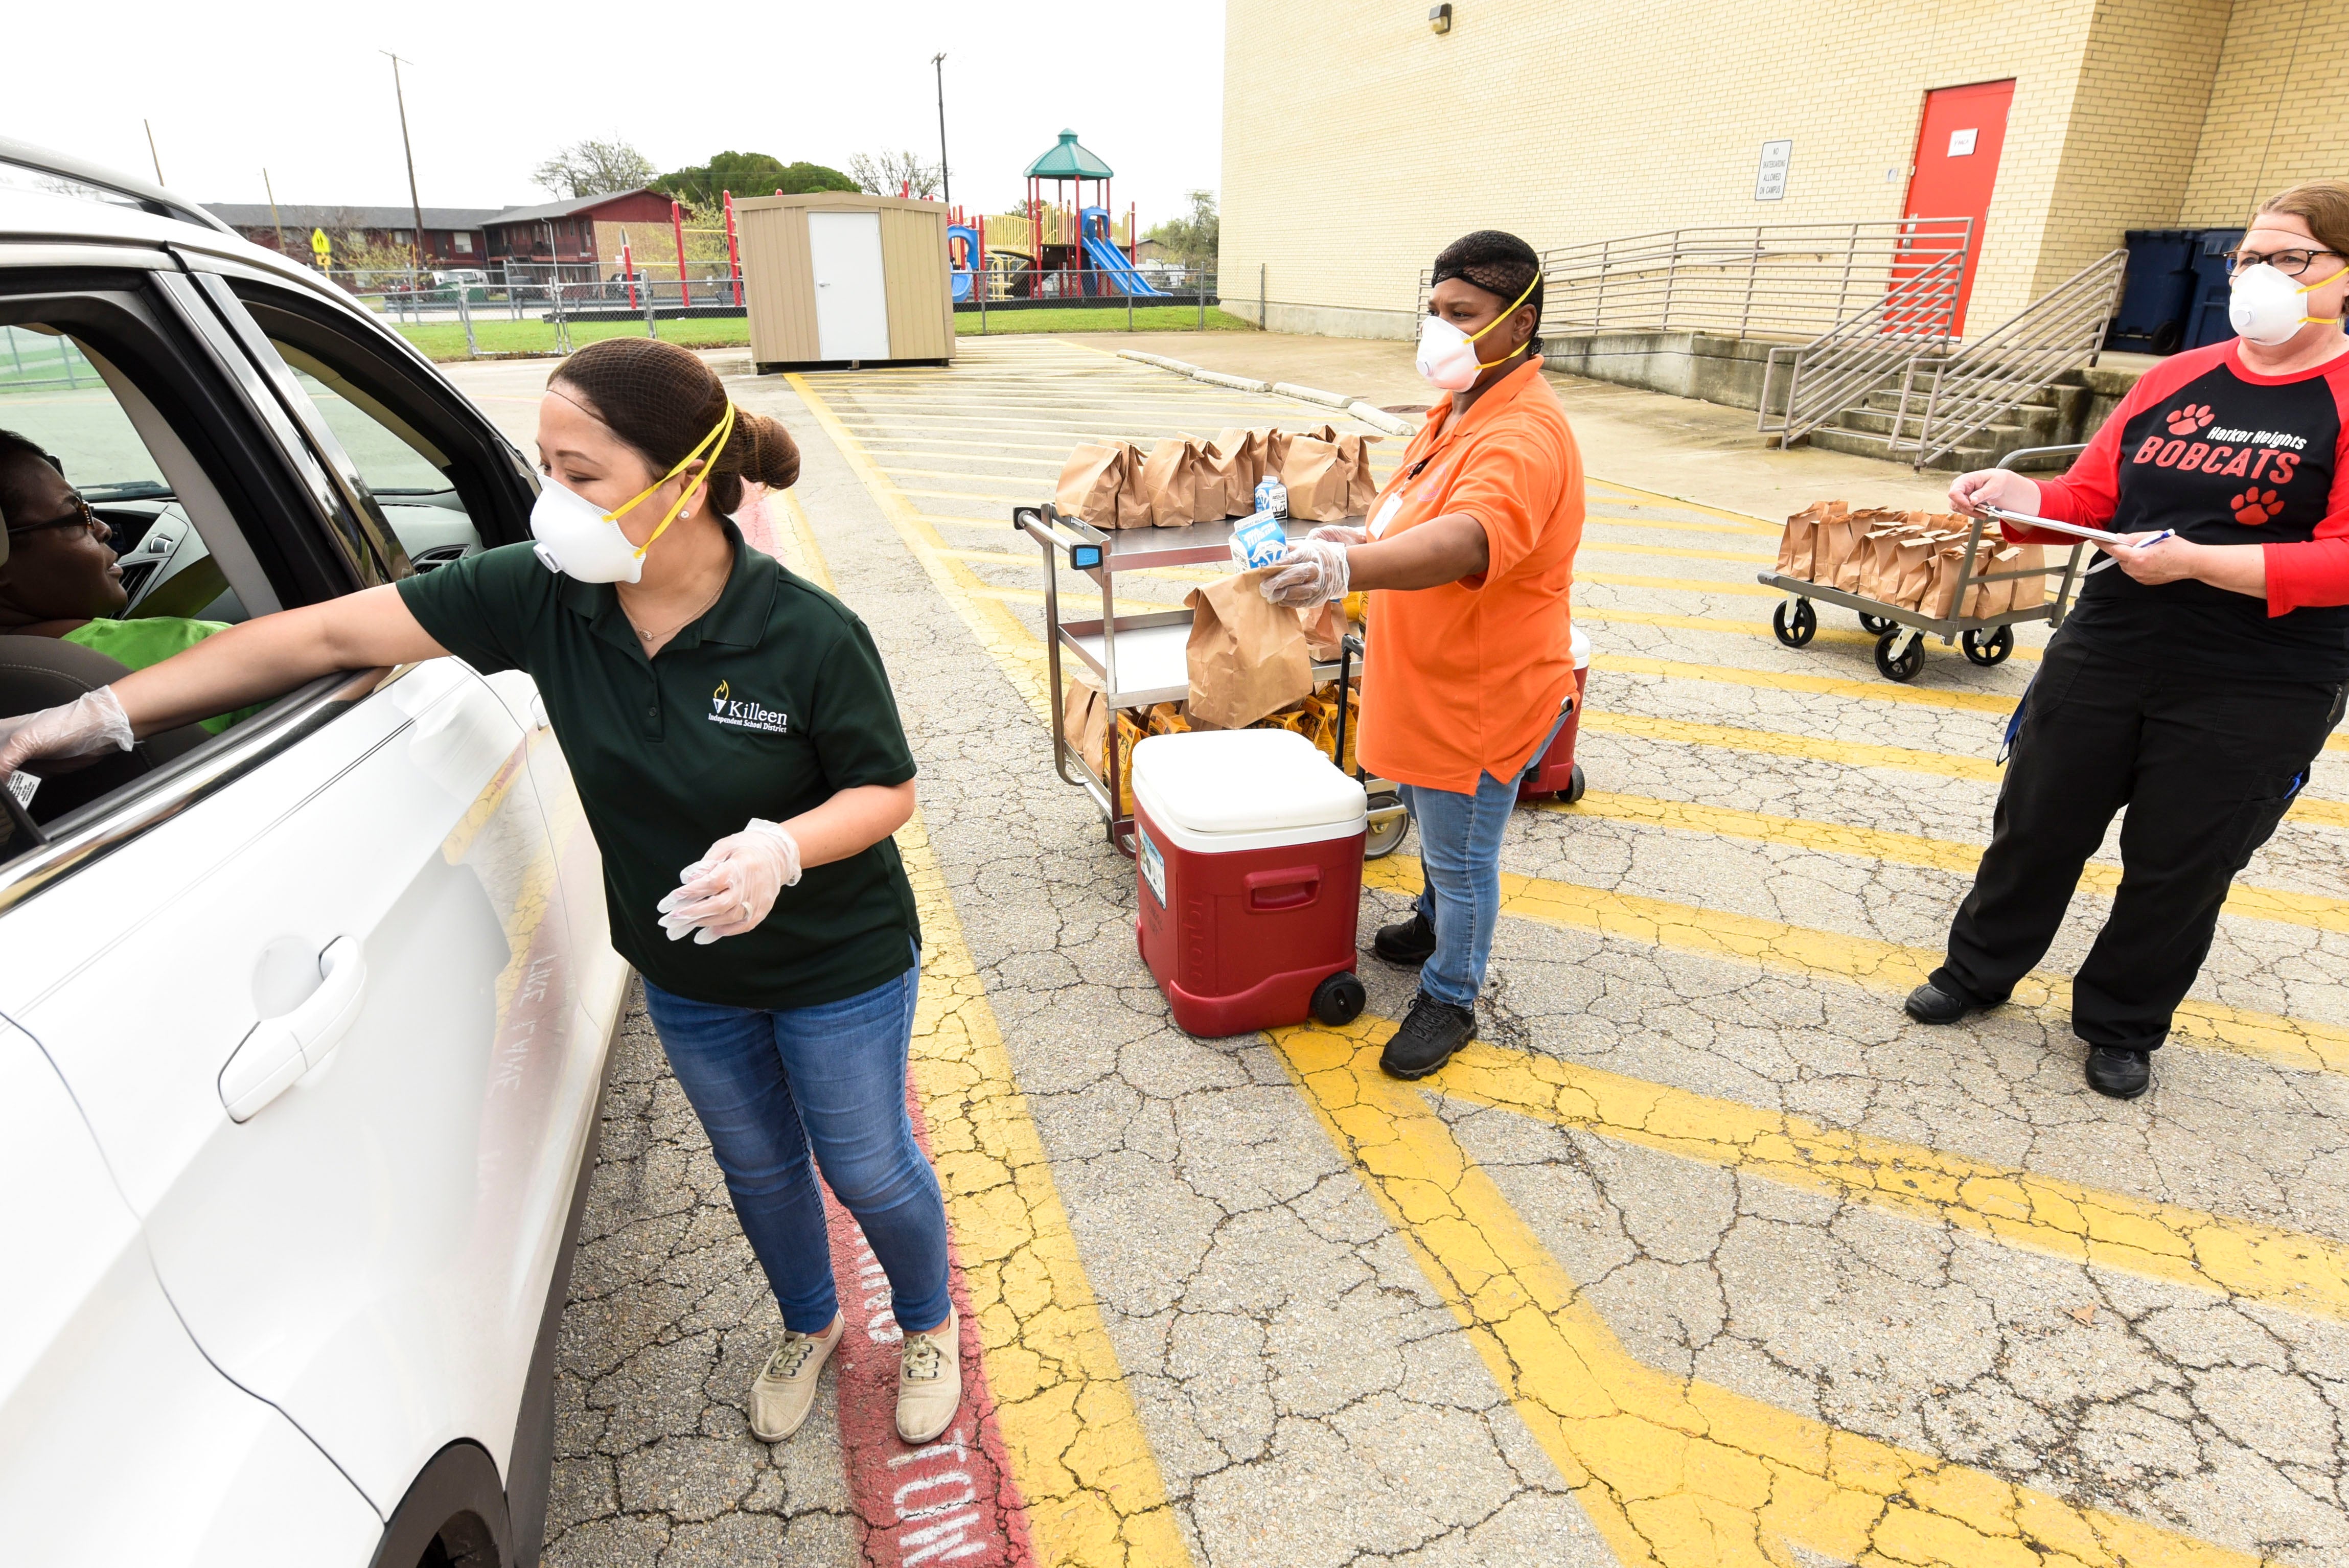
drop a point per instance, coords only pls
(303, 1025)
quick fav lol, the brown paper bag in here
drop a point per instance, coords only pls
(1314, 470)
(2030, 592)
(1832, 542)
(1913, 574)
(1084, 713)
(1246, 656)
(1879, 570)
(1101, 485)
(1240, 455)
(1171, 483)
(1216, 500)
(1325, 631)
(1993, 598)
(1942, 583)
(1361, 489)
(1794, 545)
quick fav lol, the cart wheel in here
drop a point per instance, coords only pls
(1386, 839)
(1573, 786)
(1798, 629)
(1991, 650)
(1905, 667)
(1339, 1000)
(1876, 623)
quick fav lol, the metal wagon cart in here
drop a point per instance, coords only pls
(1139, 658)
(1900, 631)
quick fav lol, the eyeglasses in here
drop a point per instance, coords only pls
(81, 517)
(2291, 263)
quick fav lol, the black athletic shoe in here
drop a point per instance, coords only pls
(1941, 1000)
(1410, 943)
(2119, 1072)
(1430, 1032)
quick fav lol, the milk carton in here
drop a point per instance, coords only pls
(1272, 496)
(1258, 541)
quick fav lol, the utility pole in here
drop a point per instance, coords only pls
(158, 157)
(416, 235)
(275, 222)
(937, 63)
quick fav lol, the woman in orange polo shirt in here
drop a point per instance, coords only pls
(1469, 553)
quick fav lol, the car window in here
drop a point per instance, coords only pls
(52, 394)
(407, 473)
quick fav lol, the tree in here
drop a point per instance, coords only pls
(748, 174)
(595, 167)
(1192, 240)
(888, 173)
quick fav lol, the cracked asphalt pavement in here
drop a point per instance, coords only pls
(1703, 1255)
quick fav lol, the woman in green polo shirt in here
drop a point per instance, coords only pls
(721, 716)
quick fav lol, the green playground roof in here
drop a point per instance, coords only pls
(1069, 160)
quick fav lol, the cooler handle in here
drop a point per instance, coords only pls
(1292, 888)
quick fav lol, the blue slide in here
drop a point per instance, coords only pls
(1107, 257)
(969, 237)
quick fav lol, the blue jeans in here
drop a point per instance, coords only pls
(1460, 858)
(769, 1085)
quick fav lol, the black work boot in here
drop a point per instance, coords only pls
(1430, 1032)
(1941, 1000)
(2119, 1071)
(1409, 943)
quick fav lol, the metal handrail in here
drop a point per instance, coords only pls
(1865, 352)
(1966, 392)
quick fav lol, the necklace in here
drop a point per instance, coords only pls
(651, 637)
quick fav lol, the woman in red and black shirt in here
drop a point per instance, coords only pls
(2200, 673)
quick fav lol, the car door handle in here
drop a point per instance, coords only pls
(277, 1051)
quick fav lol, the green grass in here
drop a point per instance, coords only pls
(445, 340)
(1099, 318)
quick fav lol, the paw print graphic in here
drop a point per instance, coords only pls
(2186, 420)
(2254, 507)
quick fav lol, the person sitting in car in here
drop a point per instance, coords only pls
(60, 577)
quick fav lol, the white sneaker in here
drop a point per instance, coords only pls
(929, 1382)
(784, 1390)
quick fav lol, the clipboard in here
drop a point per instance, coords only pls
(2075, 530)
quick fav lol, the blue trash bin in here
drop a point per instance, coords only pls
(2206, 312)
(2155, 292)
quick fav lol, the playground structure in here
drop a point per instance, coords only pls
(1069, 249)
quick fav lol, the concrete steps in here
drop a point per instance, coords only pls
(2038, 421)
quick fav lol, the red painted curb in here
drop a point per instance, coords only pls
(953, 1501)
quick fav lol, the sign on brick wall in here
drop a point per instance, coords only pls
(1770, 179)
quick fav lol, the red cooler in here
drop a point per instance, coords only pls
(1248, 851)
(1556, 772)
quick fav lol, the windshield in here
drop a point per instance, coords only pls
(51, 394)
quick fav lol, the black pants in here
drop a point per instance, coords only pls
(2206, 766)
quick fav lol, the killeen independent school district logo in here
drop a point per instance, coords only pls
(746, 713)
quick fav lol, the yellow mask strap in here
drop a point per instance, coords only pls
(712, 443)
(1505, 313)
(2306, 288)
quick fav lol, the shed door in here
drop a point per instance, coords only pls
(1957, 145)
(852, 302)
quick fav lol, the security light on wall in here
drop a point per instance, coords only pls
(1439, 18)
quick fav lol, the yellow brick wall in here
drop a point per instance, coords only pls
(1357, 142)
(2144, 84)
(2280, 110)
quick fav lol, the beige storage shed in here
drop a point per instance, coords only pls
(836, 278)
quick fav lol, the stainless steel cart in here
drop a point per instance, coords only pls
(1139, 659)
(1901, 631)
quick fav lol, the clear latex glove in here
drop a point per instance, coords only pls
(92, 722)
(733, 887)
(1340, 533)
(1313, 572)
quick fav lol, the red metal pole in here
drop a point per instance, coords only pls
(628, 268)
(676, 224)
(733, 250)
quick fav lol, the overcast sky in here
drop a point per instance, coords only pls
(301, 90)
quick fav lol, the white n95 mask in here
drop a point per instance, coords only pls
(576, 538)
(580, 539)
(2264, 305)
(1447, 356)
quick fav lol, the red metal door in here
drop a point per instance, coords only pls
(1957, 144)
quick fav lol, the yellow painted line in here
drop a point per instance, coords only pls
(1675, 1472)
(1086, 1472)
(1879, 966)
(1003, 557)
(1590, 546)
(1914, 850)
(1681, 503)
(1042, 492)
(1608, 520)
(1818, 686)
(1017, 481)
(948, 449)
(812, 563)
(1036, 596)
(2166, 1241)
(1679, 584)
(1853, 637)
(1087, 1476)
